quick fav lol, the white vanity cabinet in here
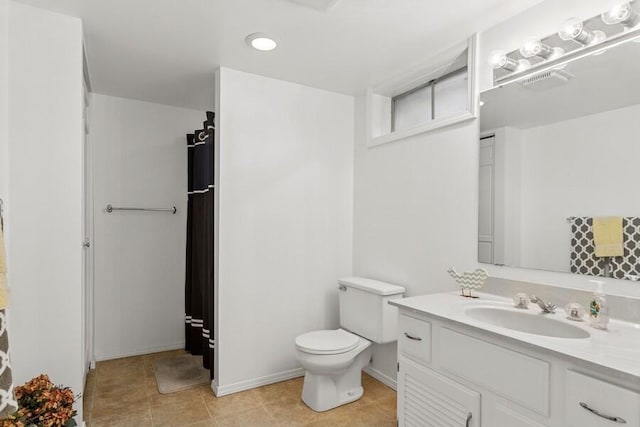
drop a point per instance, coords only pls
(455, 375)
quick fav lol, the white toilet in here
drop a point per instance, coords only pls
(333, 359)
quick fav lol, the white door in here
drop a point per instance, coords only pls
(486, 201)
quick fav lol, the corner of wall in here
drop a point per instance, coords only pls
(45, 80)
(216, 230)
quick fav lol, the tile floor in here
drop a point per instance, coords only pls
(123, 393)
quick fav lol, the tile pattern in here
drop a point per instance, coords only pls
(123, 393)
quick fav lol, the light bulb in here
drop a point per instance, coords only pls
(571, 29)
(621, 13)
(498, 59)
(533, 46)
(574, 29)
(523, 65)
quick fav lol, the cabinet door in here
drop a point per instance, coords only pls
(427, 399)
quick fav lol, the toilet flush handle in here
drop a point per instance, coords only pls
(342, 288)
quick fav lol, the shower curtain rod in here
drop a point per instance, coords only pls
(173, 209)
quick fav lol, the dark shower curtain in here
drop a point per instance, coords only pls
(199, 304)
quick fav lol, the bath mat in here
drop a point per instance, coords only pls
(179, 373)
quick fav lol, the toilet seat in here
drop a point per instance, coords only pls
(327, 342)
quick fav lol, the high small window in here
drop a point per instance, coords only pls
(438, 96)
(412, 108)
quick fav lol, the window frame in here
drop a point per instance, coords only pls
(437, 65)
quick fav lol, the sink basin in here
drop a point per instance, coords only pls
(526, 321)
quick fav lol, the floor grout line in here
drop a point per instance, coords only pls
(207, 407)
(146, 388)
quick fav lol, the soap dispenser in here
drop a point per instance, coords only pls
(598, 307)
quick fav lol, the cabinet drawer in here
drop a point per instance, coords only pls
(614, 404)
(414, 338)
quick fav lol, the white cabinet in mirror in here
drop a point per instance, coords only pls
(439, 94)
(560, 155)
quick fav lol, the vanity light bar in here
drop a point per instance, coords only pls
(612, 41)
(591, 41)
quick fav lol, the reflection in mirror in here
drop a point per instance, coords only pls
(559, 162)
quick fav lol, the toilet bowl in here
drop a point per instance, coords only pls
(333, 361)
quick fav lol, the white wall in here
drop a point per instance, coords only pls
(416, 199)
(139, 160)
(286, 172)
(415, 212)
(45, 183)
(560, 177)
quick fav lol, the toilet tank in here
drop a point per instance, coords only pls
(364, 308)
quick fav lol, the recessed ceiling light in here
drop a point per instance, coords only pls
(261, 41)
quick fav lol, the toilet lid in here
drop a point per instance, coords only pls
(327, 342)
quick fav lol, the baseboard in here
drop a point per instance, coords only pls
(384, 379)
(176, 346)
(224, 390)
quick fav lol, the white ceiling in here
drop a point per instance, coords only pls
(167, 50)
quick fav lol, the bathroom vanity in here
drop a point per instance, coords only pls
(483, 362)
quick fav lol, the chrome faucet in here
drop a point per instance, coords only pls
(546, 307)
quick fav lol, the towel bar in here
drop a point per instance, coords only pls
(173, 209)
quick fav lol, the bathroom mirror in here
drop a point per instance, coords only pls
(557, 150)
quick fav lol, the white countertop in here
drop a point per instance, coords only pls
(617, 348)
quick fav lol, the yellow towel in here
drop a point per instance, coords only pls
(607, 234)
(3, 275)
